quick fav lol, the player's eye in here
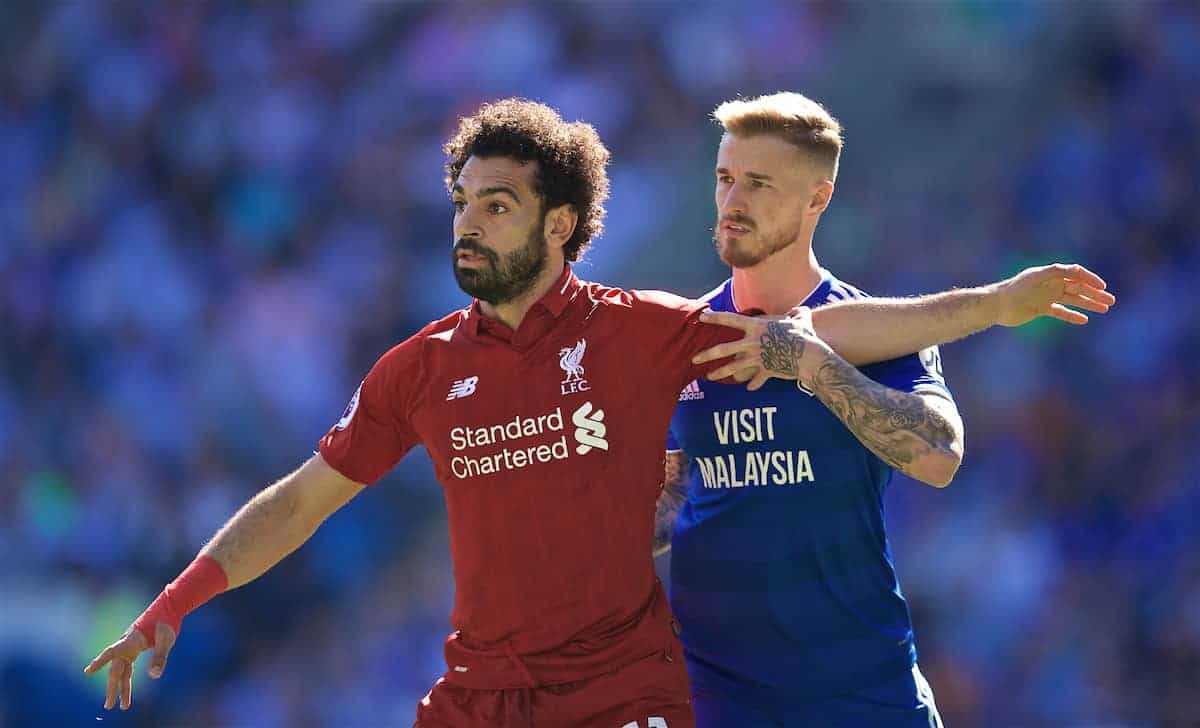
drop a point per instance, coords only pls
(459, 205)
(757, 183)
(497, 208)
(724, 179)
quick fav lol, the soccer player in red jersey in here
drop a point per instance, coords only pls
(544, 406)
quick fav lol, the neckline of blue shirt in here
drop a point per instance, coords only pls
(723, 301)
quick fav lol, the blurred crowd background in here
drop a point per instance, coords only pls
(214, 218)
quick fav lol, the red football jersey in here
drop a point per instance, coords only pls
(548, 442)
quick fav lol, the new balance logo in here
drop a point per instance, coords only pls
(462, 388)
(691, 391)
(589, 429)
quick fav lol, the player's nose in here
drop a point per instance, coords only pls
(467, 227)
(734, 213)
(733, 204)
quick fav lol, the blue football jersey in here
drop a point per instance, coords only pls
(781, 574)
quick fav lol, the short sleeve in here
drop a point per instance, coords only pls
(916, 373)
(672, 323)
(672, 441)
(375, 430)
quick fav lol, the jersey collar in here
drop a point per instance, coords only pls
(561, 293)
(553, 303)
(814, 298)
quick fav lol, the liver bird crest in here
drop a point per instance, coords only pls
(570, 359)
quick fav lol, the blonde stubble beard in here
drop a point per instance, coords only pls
(732, 256)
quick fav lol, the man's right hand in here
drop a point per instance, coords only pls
(120, 656)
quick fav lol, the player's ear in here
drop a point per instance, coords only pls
(821, 195)
(560, 224)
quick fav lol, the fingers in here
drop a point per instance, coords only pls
(99, 661)
(1096, 294)
(732, 320)
(110, 689)
(720, 351)
(1061, 312)
(1074, 299)
(115, 671)
(802, 314)
(1078, 272)
(119, 656)
(717, 375)
(1080, 281)
(127, 686)
(1104, 298)
(726, 318)
(732, 369)
(164, 640)
(759, 380)
(798, 311)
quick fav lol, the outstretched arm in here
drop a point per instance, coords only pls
(274, 523)
(278, 520)
(871, 330)
(670, 500)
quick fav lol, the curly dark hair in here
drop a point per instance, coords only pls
(570, 156)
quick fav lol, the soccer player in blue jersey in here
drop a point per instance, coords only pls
(781, 574)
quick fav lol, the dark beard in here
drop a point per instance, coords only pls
(735, 256)
(501, 282)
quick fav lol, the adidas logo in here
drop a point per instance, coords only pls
(691, 391)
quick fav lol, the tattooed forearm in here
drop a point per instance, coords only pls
(901, 428)
(781, 349)
(670, 500)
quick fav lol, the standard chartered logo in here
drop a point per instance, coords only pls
(589, 429)
(525, 441)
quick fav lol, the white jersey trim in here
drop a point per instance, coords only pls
(925, 696)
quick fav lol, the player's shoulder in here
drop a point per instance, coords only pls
(412, 349)
(638, 301)
(718, 293)
(712, 298)
(925, 365)
(833, 289)
(651, 298)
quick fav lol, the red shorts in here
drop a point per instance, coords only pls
(650, 693)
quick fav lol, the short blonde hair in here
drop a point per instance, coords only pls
(793, 117)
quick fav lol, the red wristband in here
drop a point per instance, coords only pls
(202, 580)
